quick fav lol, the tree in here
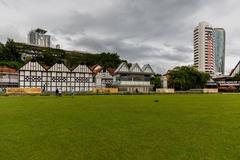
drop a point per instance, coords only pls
(236, 77)
(185, 77)
(47, 59)
(12, 53)
(156, 81)
(109, 60)
(2, 54)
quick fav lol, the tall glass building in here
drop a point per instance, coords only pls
(219, 38)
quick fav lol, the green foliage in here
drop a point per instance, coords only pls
(236, 77)
(184, 78)
(156, 81)
(50, 56)
(111, 60)
(107, 60)
(12, 50)
(8, 52)
(9, 56)
(12, 64)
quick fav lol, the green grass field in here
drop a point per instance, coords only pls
(178, 127)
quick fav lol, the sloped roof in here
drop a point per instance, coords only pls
(122, 68)
(235, 68)
(82, 68)
(7, 69)
(135, 68)
(147, 69)
(111, 70)
(32, 66)
(96, 68)
(59, 67)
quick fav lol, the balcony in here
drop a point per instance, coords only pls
(132, 83)
(9, 80)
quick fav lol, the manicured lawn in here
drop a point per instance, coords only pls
(178, 127)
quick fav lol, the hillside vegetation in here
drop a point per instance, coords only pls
(12, 52)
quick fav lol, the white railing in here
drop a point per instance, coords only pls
(9, 80)
(134, 83)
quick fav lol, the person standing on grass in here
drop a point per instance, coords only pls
(57, 92)
(72, 91)
(43, 88)
(137, 91)
(60, 91)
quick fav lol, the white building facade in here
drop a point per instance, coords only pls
(103, 77)
(204, 54)
(9, 77)
(134, 79)
(82, 79)
(33, 75)
(58, 77)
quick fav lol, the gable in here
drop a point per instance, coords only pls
(59, 68)
(135, 68)
(104, 74)
(82, 69)
(147, 69)
(122, 68)
(236, 70)
(33, 66)
(98, 67)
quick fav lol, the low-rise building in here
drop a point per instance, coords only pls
(58, 77)
(104, 78)
(8, 77)
(82, 79)
(134, 79)
(33, 75)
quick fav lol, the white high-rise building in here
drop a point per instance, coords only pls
(204, 58)
(38, 37)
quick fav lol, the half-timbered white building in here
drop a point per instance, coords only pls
(82, 79)
(32, 75)
(59, 77)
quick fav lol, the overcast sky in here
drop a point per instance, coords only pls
(158, 32)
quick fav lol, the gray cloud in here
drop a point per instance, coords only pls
(136, 22)
(133, 52)
(144, 20)
(2, 2)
